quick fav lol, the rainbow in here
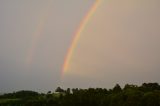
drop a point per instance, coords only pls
(77, 35)
(38, 33)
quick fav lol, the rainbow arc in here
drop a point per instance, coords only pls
(77, 35)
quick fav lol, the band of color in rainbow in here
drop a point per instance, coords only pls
(38, 33)
(77, 35)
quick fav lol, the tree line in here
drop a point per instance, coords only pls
(147, 94)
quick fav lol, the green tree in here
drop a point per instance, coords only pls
(117, 88)
(59, 89)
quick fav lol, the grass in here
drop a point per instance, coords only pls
(8, 100)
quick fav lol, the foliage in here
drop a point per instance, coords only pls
(148, 94)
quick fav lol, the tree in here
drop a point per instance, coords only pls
(49, 92)
(150, 86)
(59, 90)
(117, 88)
(128, 86)
(68, 91)
(151, 99)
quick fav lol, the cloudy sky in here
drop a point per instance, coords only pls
(119, 44)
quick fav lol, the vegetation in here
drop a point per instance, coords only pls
(148, 94)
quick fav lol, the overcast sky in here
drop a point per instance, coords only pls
(120, 43)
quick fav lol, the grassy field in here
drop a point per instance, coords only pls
(8, 100)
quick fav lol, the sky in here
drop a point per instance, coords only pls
(120, 43)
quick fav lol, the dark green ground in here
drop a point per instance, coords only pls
(148, 94)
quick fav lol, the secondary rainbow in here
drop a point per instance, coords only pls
(77, 36)
(38, 33)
